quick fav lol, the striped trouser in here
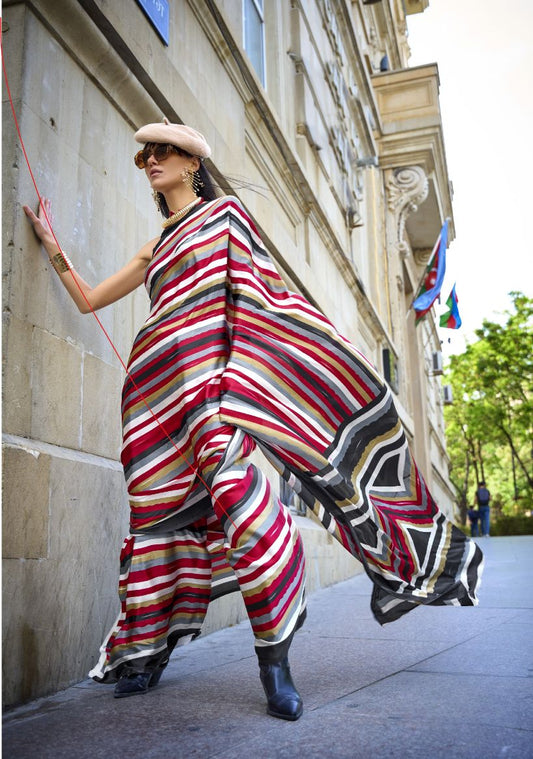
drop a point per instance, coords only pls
(167, 580)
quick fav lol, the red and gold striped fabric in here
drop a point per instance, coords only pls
(228, 359)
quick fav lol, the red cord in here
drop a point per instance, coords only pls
(158, 422)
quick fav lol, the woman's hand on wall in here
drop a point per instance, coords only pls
(42, 222)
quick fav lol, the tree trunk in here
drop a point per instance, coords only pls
(473, 457)
(462, 492)
(464, 502)
(528, 477)
(480, 458)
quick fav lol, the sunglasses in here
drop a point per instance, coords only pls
(160, 152)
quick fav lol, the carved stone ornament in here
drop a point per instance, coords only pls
(406, 188)
(422, 255)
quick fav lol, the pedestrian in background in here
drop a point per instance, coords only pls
(473, 518)
(483, 502)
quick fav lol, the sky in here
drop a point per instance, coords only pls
(484, 52)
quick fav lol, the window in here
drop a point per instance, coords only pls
(254, 35)
(390, 369)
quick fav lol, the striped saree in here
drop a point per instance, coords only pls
(227, 360)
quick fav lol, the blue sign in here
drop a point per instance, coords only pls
(158, 13)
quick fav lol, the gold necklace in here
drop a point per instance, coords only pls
(180, 214)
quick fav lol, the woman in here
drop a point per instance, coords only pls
(227, 360)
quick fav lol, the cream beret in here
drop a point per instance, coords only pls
(181, 136)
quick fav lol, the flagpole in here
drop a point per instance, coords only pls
(426, 267)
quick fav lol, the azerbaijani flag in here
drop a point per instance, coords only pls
(451, 318)
(433, 278)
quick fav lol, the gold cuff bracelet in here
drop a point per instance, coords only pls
(61, 263)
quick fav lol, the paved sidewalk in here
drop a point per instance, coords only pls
(441, 682)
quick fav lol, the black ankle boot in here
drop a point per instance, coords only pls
(156, 675)
(134, 683)
(283, 699)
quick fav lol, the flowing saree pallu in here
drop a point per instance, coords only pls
(227, 346)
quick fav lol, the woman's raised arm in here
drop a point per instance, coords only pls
(85, 297)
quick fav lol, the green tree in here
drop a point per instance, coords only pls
(489, 427)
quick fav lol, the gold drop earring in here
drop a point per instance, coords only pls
(192, 180)
(157, 200)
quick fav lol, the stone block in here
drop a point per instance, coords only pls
(12, 32)
(408, 97)
(101, 427)
(29, 277)
(21, 628)
(25, 516)
(10, 176)
(12, 54)
(56, 390)
(56, 611)
(16, 390)
(89, 519)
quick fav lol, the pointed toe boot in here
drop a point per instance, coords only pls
(283, 699)
(132, 684)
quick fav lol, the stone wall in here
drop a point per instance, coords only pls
(64, 505)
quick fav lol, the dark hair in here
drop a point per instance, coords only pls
(206, 191)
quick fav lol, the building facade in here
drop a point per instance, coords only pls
(334, 145)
